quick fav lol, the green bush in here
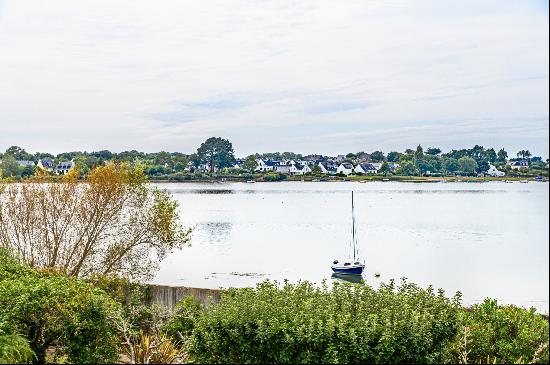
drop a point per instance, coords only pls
(501, 334)
(54, 310)
(274, 176)
(183, 319)
(346, 324)
(14, 349)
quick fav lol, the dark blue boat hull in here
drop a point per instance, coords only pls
(348, 271)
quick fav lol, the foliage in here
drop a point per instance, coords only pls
(250, 163)
(14, 349)
(216, 152)
(346, 324)
(184, 317)
(48, 309)
(274, 176)
(407, 168)
(467, 165)
(10, 167)
(377, 156)
(503, 334)
(112, 223)
(433, 151)
(393, 156)
(151, 349)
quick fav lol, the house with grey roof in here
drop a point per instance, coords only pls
(63, 167)
(46, 164)
(345, 168)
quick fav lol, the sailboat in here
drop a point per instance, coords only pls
(352, 266)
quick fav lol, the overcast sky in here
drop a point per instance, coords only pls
(306, 76)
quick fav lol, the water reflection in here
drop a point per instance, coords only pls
(354, 279)
(214, 233)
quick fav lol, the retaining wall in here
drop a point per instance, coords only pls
(168, 296)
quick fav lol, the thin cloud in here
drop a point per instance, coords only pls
(313, 76)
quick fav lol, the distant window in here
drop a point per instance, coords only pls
(347, 264)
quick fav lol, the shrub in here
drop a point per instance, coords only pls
(346, 324)
(274, 176)
(501, 334)
(14, 349)
(183, 319)
(54, 310)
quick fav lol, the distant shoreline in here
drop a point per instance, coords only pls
(409, 179)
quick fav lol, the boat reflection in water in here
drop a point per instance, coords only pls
(354, 279)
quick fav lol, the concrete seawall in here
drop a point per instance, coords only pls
(168, 296)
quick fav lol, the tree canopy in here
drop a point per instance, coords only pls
(217, 153)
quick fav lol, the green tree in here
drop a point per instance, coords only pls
(393, 156)
(377, 156)
(250, 163)
(384, 169)
(467, 165)
(316, 170)
(433, 151)
(524, 154)
(216, 153)
(491, 155)
(10, 167)
(408, 169)
(450, 165)
(18, 153)
(502, 156)
(419, 152)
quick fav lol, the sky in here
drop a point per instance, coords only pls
(306, 76)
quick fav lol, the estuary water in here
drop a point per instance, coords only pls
(484, 239)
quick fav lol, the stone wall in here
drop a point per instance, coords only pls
(168, 296)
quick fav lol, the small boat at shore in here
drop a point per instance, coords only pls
(351, 266)
(250, 181)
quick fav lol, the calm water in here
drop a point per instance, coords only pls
(484, 239)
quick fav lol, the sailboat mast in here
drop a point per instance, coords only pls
(353, 227)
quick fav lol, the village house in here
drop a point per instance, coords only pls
(520, 164)
(493, 171)
(46, 164)
(345, 168)
(63, 167)
(263, 166)
(328, 167)
(366, 168)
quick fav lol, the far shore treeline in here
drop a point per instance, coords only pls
(216, 157)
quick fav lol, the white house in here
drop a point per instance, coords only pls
(283, 169)
(297, 169)
(516, 165)
(46, 164)
(264, 165)
(345, 168)
(327, 168)
(306, 169)
(365, 168)
(493, 171)
(63, 167)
